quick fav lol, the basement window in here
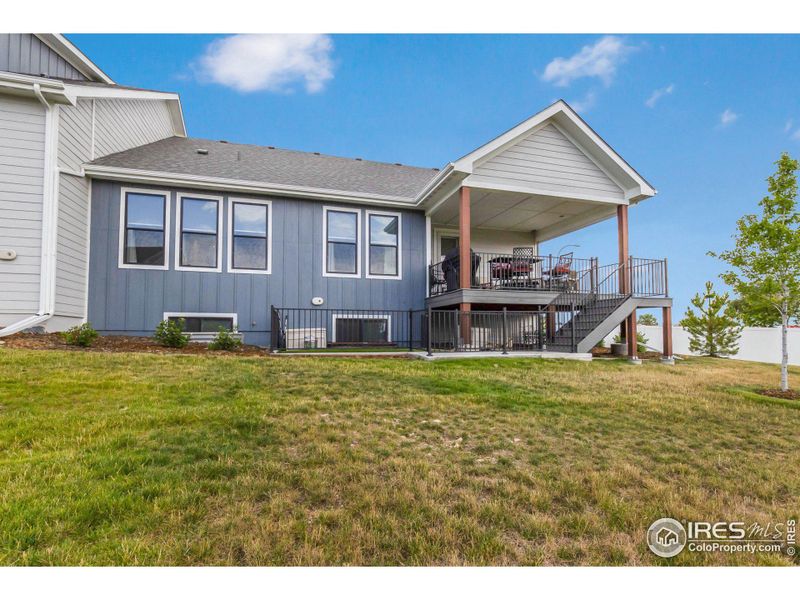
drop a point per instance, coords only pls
(196, 323)
(354, 329)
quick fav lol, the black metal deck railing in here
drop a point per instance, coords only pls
(647, 277)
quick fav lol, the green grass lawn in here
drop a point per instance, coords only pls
(158, 459)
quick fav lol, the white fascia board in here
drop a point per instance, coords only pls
(69, 52)
(235, 185)
(91, 91)
(52, 89)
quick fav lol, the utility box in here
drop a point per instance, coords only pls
(308, 338)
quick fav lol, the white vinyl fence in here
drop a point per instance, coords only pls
(760, 344)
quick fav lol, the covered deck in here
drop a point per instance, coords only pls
(549, 176)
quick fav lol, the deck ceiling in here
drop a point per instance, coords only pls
(515, 211)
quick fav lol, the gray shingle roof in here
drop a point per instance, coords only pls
(266, 165)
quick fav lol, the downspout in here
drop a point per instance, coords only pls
(47, 278)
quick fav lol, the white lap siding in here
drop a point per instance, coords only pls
(93, 128)
(547, 161)
(22, 142)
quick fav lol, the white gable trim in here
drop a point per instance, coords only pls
(641, 188)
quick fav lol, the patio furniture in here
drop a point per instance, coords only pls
(560, 273)
(451, 267)
(517, 270)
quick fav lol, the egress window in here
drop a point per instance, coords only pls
(199, 224)
(204, 326)
(342, 241)
(361, 329)
(249, 227)
(383, 251)
(144, 229)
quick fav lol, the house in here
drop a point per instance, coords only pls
(111, 214)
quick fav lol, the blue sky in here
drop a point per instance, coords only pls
(729, 106)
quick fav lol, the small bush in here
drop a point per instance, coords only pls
(601, 344)
(80, 335)
(641, 338)
(224, 340)
(169, 333)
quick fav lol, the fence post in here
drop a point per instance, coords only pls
(505, 331)
(272, 328)
(666, 279)
(574, 343)
(430, 313)
(410, 330)
(542, 322)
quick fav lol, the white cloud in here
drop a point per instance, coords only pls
(272, 62)
(598, 60)
(585, 103)
(657, 94)
(788, 127)
(727, 117)
(796, 135)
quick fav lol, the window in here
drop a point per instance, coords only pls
(199, 219)
(249, 236)
(368, 329)
(199, 323)
(383, 251)
(342, 240)
(144, 229)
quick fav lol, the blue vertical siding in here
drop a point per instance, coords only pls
(133, 301)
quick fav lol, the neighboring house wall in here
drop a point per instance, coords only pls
(133, 301)
(548, 161)
(93, 128)
(25, 53)
(22, 148)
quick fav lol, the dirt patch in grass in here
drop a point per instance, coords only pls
(785, 395)
(606, 353)
(116, 343)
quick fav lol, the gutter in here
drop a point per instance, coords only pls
(47, 278)
(219, 183)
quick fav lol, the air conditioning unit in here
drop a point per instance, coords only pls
(307, 338)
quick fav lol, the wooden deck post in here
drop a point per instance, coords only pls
(465, 261)
(622, 242)
(666, 324)
(633, 343)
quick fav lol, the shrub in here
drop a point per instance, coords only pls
(647, 319)
(641, 339)
(169, 333)
(81, 335)
(225, 340)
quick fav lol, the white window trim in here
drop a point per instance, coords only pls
(365, 315)
(242, 200)
(122, 210)
(384, 213)
(357, 212)
(178, 236)
(233, 316)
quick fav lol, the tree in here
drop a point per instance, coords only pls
(714, 330)
(765, 260)
(647, 319)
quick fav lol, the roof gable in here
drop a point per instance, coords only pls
(547, 160)
(571, 131)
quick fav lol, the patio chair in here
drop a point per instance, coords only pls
(522, 266)
(560, 273)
